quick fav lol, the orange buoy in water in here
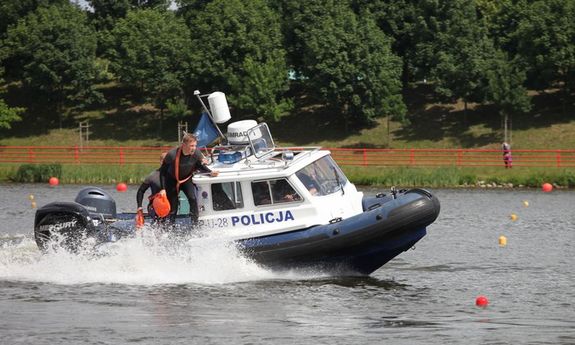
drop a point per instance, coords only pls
(481, 301)
(121, 187)
(53, 181)
(513, 217)
(547, 187)
(502, 241)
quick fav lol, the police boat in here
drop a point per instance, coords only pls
(283, 208)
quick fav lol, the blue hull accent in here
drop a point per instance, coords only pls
(361, 259)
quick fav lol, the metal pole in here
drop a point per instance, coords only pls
(505, 128)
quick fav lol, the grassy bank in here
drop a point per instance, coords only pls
(460, 177)
(81, 174)
(441, 177)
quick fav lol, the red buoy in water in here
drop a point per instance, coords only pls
(481, 301)
(53, 181)
(547, 187)
(121, 187)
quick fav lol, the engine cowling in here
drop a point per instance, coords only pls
(64, 223)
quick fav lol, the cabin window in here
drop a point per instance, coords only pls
(274, 192)
(322, 177)
(227, 196)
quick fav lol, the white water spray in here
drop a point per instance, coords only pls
(145, 260)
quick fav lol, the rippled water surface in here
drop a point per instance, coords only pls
(144, 294)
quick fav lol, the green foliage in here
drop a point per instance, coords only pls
(347, 59)
(262, 86)
(397, 19)
(178, 109)
(37, 173)
(12, 11)
(240, 53)
(505, 88)
(107, 12)
(342, 58)
(150, 51)
(9, 115)
(545, 39)
(105, 173)
(52, 51)
(456, 50)
(442, 177)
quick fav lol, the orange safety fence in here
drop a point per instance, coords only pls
(107, 155)
(110, 155)
(452, 157)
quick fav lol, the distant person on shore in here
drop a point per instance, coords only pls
(152, 181)
(507, 159)
(176, 174)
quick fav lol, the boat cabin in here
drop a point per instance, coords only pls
(262, 190)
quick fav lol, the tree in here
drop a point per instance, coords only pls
(151, 51)
(456, 50)
(9, 115)
(107, 12)
(505, 88)
(397, 19)
(52, 50)
(11, 11)
(545, 40)
(239, 51)
(347, 59)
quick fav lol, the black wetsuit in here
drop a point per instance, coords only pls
(188, 164)
(151, 181)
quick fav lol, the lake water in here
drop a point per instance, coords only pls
(211, 296)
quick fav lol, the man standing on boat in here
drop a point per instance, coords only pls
(176, 174)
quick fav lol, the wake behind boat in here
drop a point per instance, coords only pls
(283, 208)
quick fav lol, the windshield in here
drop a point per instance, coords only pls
(261, 141)
(322, 177)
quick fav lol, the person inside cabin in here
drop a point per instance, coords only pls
(152, 182)
(261, 193)
(308, 177)
(507, 159)
(284, 192)
(176, 174)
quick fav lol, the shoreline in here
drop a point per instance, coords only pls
(404, 177)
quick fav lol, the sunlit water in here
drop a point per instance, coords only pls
(203, 292)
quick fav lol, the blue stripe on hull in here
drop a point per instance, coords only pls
(361, 259)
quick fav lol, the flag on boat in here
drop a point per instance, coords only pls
(206, 131)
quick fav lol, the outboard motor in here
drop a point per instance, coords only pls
(70, 223)
(97, 201)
